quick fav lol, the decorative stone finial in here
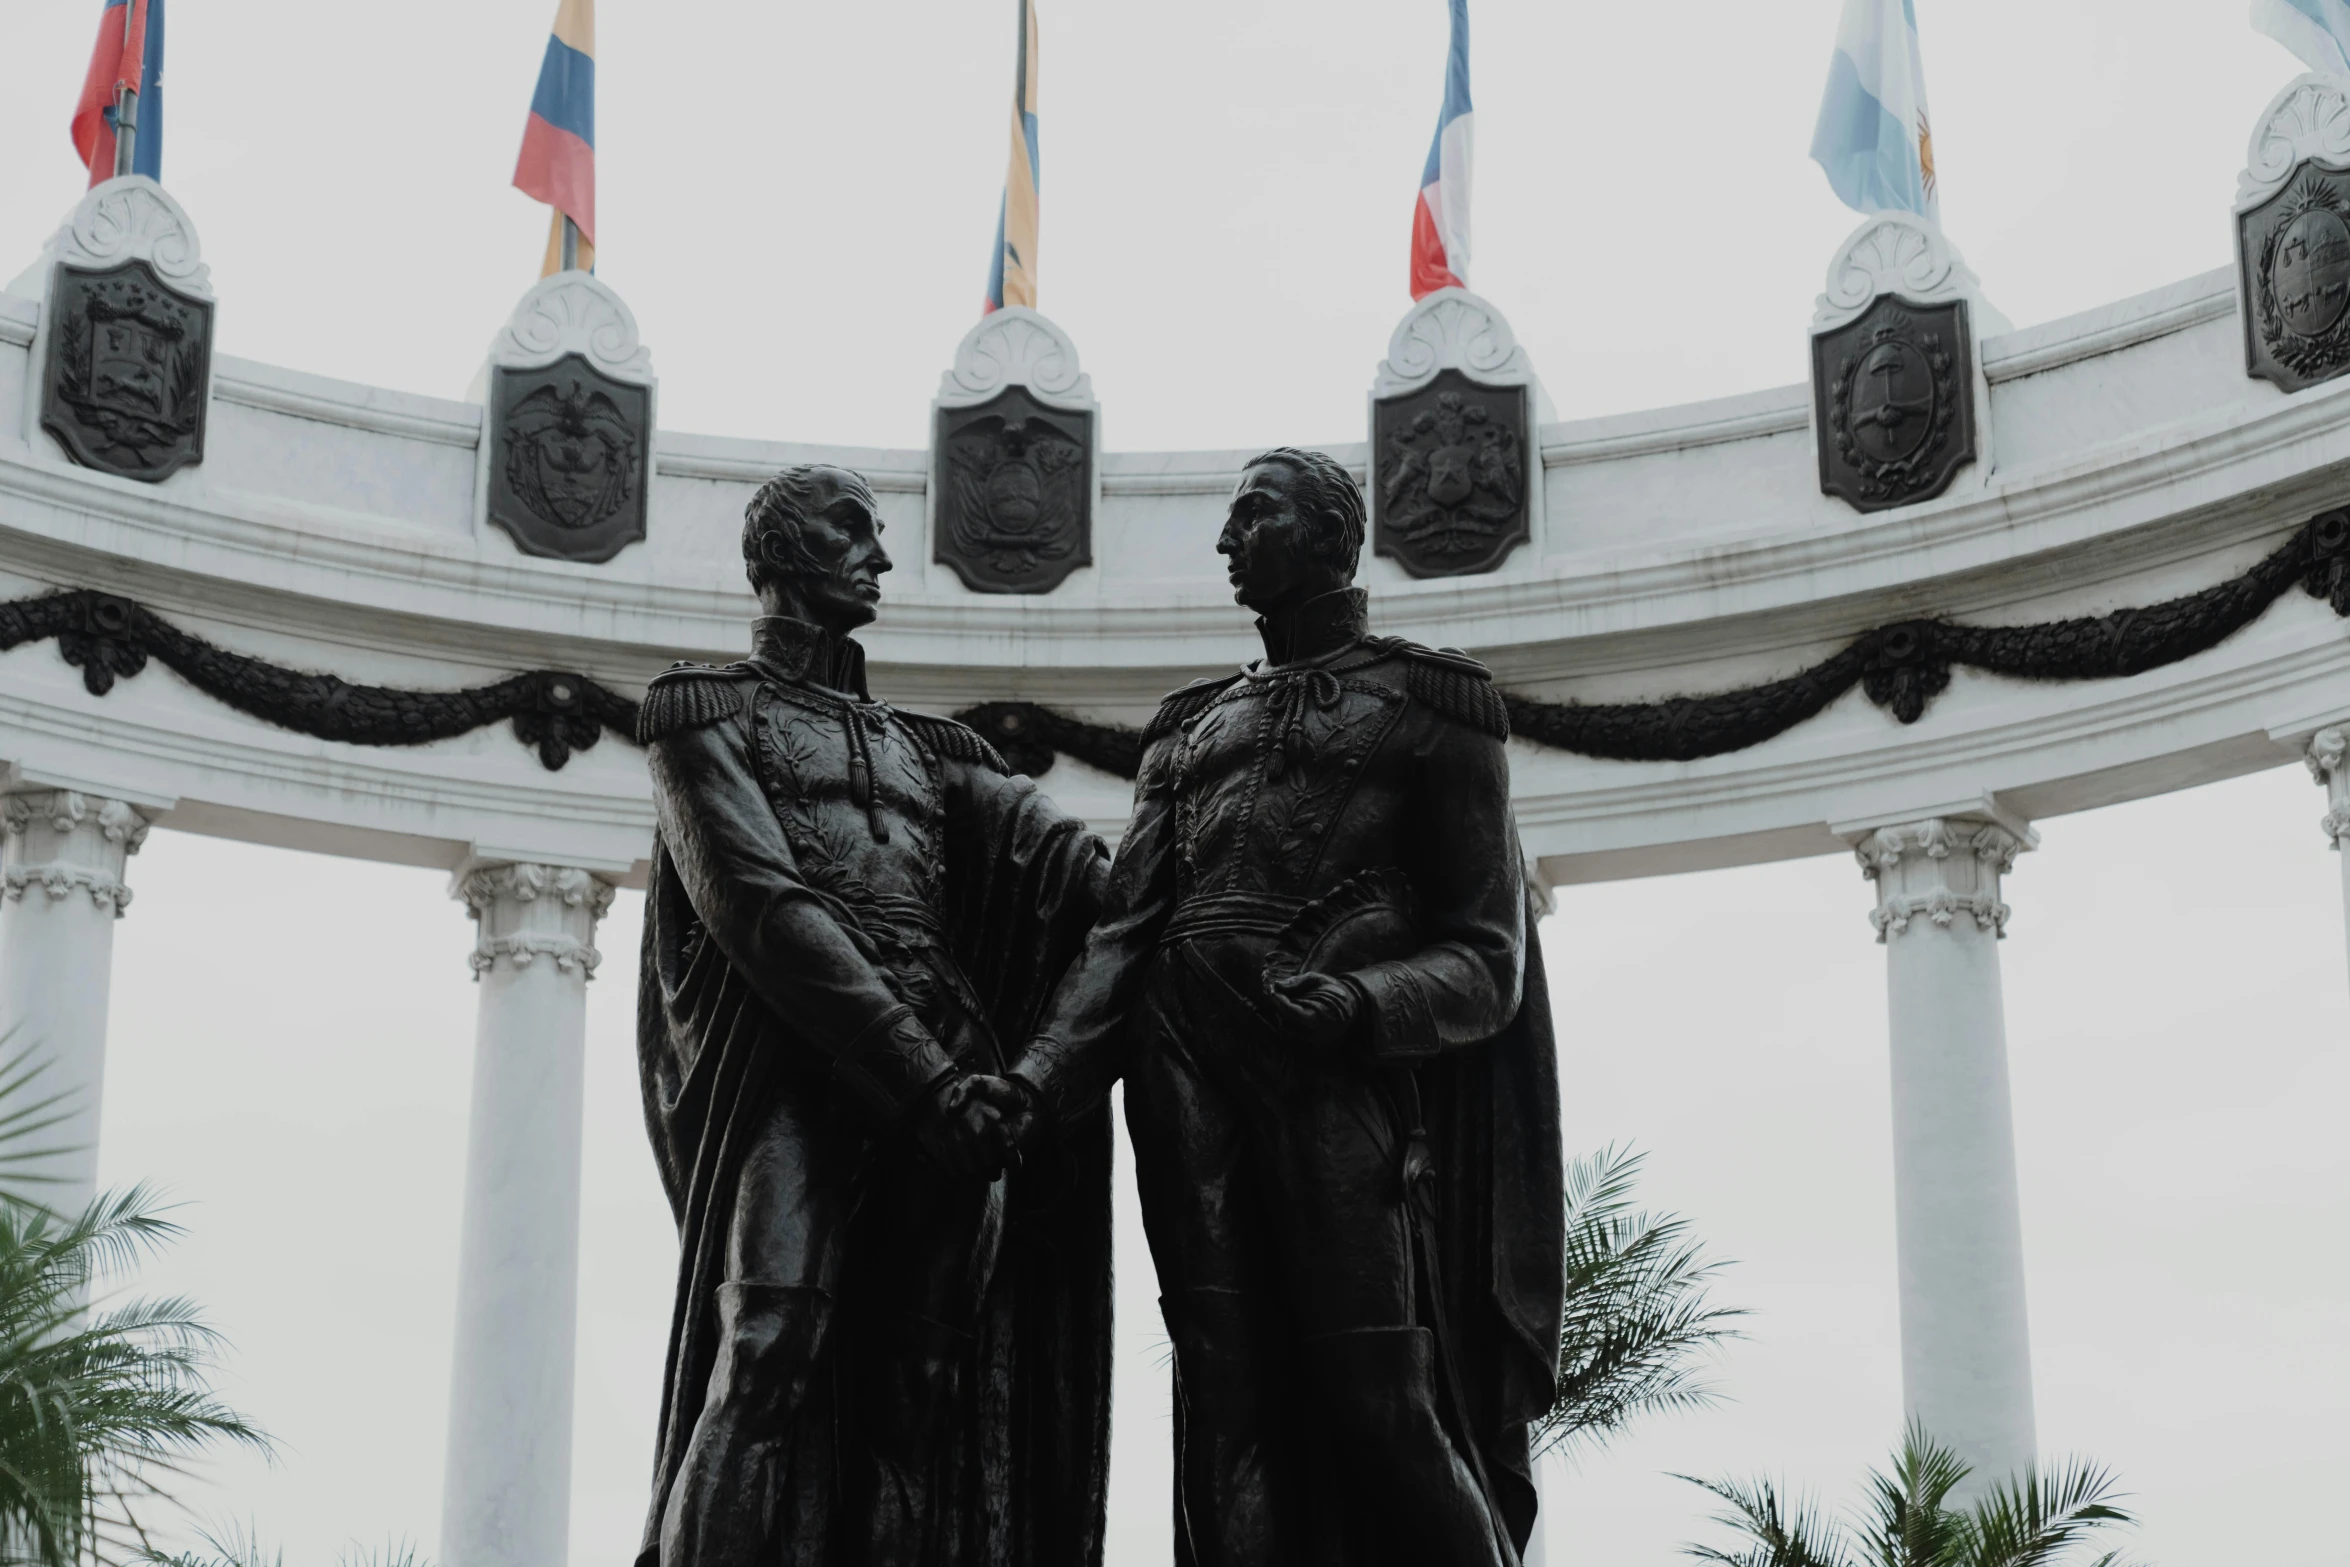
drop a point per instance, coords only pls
(2309, 119)
(1452, 329)
(1015, 346)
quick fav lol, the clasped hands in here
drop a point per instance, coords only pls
(976, 1126)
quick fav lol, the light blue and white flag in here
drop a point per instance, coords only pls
(2316, 30)
(1874, 138)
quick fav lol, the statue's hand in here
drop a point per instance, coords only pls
(1314, 1008)
(961, 1131)
(1018, 1123)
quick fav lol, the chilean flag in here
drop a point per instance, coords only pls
(128, 54)
(558, 162)
(1440, 220)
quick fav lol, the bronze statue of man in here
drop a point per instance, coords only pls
(884, 1352)
(1313, 973)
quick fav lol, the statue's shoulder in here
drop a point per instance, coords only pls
(1454, 684)
(1181, 707)
(687, 696)
(953, 739)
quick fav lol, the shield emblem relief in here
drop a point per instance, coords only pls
(2293, 254)
(1014, 491)
(572, 460)
(1449, 496)
(1893, 391)
(128, 374)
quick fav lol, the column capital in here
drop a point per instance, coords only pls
(2328, 760)
(1941, 867)
(66, 842)
(525, 911)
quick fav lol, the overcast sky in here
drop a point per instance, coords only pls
(797, 201)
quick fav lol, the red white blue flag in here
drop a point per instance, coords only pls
(1440, 220)
(558, 162)
(128, 57)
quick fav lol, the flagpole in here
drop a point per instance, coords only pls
(126, 108)
(570, 262)
(126, 130)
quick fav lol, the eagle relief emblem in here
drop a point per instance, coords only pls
(1451, 476)
(2294, 251)
(570, 469)
(1896, 403)
(129, 360)
(1015, 503)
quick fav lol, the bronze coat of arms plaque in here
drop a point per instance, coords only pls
(1448, 476)
(571, 459)
(129, 363)
(1015, 493)
(2293, 251)
(1894, 393)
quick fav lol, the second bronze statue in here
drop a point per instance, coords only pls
(879, 971)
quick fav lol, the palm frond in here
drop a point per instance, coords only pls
(1782, 1531)
(1638, 1326)
(2031, 1519)
(1905, 1518)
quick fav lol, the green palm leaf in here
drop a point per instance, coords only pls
(1905, 1518)
(1638, 1329)
(102, 1402)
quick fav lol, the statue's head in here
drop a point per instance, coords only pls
(1295, 530)
(812, 547)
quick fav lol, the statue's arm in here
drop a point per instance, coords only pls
(1469, 872)
(739, 873)
(1080, 1045)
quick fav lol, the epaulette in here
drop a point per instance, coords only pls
(1457, 686)
(687, 696)
(1185, 705)
(955, 741)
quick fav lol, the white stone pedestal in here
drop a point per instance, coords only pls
(1966, 1353)
(506, 1500)
(61, 890)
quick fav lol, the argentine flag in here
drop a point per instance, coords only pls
(1874, 139)
(2316, 30)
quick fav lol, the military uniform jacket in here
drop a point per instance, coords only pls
(1360, 761)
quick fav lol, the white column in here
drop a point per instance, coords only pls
(1966, 1354)
(506, 1499)
(2329, 764)
(61, 890)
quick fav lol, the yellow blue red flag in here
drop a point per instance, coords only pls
(1011, 277)
(558, 162)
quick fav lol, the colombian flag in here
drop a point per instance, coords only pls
(558, 162)
(129, 54)
(1011, 277)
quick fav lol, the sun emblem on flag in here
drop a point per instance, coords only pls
(1926, 153)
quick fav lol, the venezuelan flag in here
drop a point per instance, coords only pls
(558, 162)
(1011, 278)
(128, 55)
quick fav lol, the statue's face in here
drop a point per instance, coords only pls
(843, 537)
(1267, 543)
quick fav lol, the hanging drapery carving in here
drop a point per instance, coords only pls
(1900, 667)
